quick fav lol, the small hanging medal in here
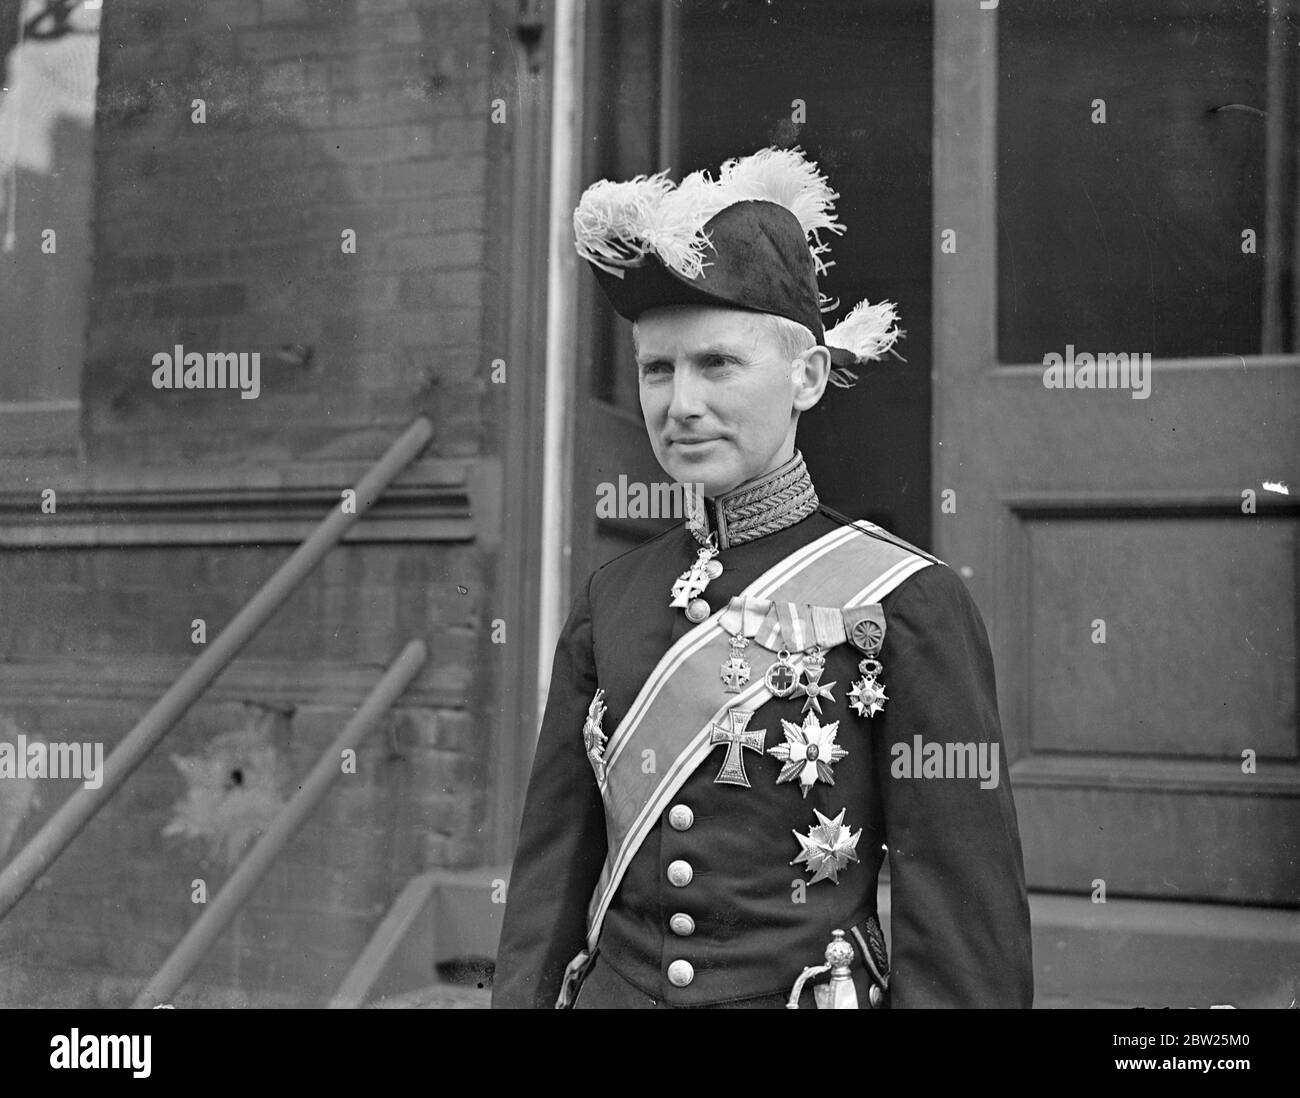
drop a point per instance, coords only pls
(865, 626)
(868, 696)
(813, 690)
(735, 669)
(782, 677)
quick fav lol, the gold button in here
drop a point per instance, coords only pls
(680, 873)
(681, 817)
(681, 973)
(682, 925)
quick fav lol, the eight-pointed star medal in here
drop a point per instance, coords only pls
(808, 753)
(827, 848)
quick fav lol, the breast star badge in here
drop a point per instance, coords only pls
(827, 848)
(593, 739)
(868, 696)
(808, 753)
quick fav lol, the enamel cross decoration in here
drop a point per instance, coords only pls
(735, 668)
(782, 677)
(867, 695)
(866, 629)
(690, 584)
(813, 690)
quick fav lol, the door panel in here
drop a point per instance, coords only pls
(1079, 510)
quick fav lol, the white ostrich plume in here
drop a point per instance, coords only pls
(869, 332)
(616, 225)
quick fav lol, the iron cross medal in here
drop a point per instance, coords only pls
(736, 736)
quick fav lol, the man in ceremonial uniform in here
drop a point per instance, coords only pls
(747, 712)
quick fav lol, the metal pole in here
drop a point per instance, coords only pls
(561, 340)
(252, 869)
(64, 826)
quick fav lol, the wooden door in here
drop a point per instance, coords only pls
(1101, 173)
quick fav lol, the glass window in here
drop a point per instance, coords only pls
(1146, 178)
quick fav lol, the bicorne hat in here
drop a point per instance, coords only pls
(746, 240)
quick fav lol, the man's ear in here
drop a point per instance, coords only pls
(810, 373)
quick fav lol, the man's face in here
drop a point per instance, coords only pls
(718, 396)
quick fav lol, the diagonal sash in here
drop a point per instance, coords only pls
(676, 706)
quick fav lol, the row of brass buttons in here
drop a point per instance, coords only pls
(680, 874)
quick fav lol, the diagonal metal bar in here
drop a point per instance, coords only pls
(199, 938)
(73, 815)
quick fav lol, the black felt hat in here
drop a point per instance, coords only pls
(758, 259)
(747, 240)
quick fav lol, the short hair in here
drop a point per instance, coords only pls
(792, 339)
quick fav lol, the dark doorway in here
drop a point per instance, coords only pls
(685, 85)
(862, 73)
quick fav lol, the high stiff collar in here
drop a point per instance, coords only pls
(756, 508)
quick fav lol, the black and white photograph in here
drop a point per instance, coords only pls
(650, 504)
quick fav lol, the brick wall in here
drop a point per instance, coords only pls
(111, 908)
(321, 116)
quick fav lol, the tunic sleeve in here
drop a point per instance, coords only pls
(561, 838)
(959, 911)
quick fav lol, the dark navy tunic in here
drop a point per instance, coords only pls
(745, 924)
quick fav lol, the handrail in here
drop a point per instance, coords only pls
(252, 869)
(73, 815)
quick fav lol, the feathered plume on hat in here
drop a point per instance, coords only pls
(748, 239)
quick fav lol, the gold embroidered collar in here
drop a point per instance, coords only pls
(759, 507)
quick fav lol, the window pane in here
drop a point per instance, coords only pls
(1127, 234)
